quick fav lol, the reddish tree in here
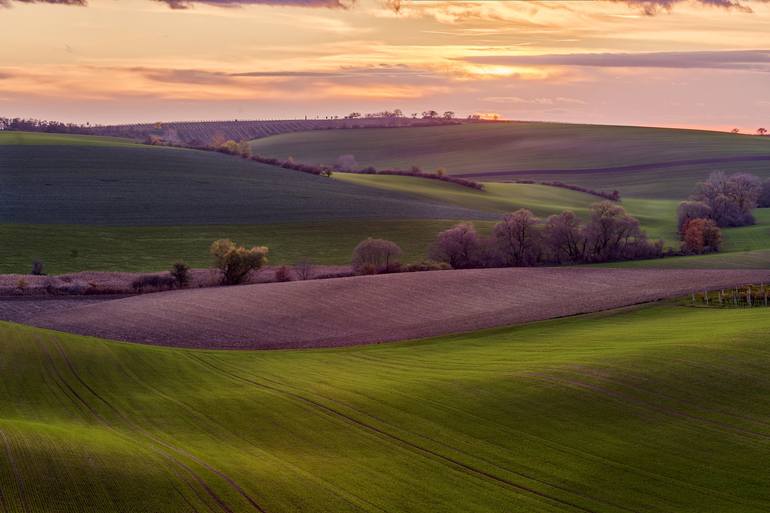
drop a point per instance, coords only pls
(701, 236)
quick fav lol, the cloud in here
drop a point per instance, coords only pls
(746, 60)
(185, 4)
(7, 3)
(653, 7)
(534, 101)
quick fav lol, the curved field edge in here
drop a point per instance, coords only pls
(657, 409)
(373, 309)
(566, 150)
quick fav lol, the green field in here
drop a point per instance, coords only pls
(659, 408)
(91, 203)
(535, 146)
(67, 248)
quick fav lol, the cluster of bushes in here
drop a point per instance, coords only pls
(720, 201)
(612, 196)
(378, 256)
(177, 277)
(521, 239)
(727, 200)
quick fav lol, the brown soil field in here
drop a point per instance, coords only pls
(373, 309)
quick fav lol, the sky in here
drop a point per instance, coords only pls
(683, 63)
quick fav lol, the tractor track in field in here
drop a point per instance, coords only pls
(586, 373)
(413, 447)
(563, 449)
(714, 425)
(128, 373)
(16, 476)
(233, 484)
(73, 395)
(80, 401)
(618, 169)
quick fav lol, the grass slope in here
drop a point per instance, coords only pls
(657, 216)
(155, 248)
(126, 184)
(535, 146)
(655, 409)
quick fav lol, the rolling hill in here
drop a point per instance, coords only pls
(655, 409)
(81, 202)
(56, 180)
(587, 155)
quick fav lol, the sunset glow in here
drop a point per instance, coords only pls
(625, 62)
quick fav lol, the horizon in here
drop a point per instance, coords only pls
(658, 63)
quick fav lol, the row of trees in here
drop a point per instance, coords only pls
(398, 113)
(521, 239)
(42, 125)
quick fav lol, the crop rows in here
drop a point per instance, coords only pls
(202, 132)
(371, 309)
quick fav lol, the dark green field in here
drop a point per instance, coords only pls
(515, 146)
(654, 409)
(125, 185)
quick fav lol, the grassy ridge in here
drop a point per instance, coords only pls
(155, 248)
(654, 409)
(534, 146)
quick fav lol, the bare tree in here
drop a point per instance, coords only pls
(458, 246)
(610, 231)
(731, 198)
(564, 238)
(761, 131)
(303, 269)
(375, 255)
(518, 238)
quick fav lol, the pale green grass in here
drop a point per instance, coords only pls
(657, 409)
(12, 138)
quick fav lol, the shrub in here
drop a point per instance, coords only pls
(426, 265)
(181, 274)
(379, 254)
(345, 163)
(303, 269)
(283, 274)
(689, 210)
(236, 262)
(701, 236)
(37, 268)
(152, 281)
(22, 284)
(459, 246)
